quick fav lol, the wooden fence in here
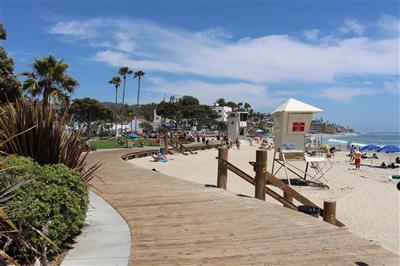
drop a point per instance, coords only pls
(263, 178)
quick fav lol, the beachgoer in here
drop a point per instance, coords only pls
(352, 152)
(357, 159)
(397, 160)
(332, 151)
(203, 139)
(230, 145)
(161, 140)
(160, 156)
(383, 165)
(237, 142)
(376, 156)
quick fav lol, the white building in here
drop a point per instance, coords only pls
(222, 111)
(237, 125)
(157, 120)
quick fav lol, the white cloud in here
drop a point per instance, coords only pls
(389, 24)
(352, 26)
(270, 58)
(311, 35)
(253, 62)
(345, 94)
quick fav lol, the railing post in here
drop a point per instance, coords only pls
(288, 198)
(222, 173)
(166, 146)
(261, 175)
(330, 212)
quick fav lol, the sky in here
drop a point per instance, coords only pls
(341, 56)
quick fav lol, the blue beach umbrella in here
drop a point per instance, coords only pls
(389, 149)
(370, 148)
(131, 135)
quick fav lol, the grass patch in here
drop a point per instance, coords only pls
(113, 144)
(107, 144)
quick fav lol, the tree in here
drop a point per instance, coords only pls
(231, 105)
(220, 102)
(10, 87)
(188, 111)
(146, 126)
(90, 112)
(3, 32)
(49, 78)
(247, 106)
(124, 72)
(189, 100)
(138, 74)
(116, 81)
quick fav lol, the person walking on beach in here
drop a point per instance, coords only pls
(237, 142)
(352, 151)
(357, 159)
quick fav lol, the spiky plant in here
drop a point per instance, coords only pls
(48, 142)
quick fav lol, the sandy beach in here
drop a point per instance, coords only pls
(368, 202)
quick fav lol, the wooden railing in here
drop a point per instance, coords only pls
(263, 177)
(168, 147)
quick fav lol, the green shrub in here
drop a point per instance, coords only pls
(56, 199)
(17, 168)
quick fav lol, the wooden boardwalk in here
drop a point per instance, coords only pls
(176, 222)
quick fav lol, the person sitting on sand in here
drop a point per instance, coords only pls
(357, 159)
(331, 152)
(397, 160)
(393, 166)
(376, 156)
(383, 165)
(160, 156)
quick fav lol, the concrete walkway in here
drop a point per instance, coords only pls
(176, 222)
(105, 238)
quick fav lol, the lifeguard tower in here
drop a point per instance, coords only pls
(291, 122)
(237, 125)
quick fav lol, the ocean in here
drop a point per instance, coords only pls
(362, 139)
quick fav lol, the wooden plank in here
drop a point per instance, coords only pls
(175, 222)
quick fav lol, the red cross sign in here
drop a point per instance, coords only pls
(298, 126)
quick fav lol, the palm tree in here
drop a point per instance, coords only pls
(138, 74)
(247, 106)
(49, 79)
(124, 72)
(116, 81)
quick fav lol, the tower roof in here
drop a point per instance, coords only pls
(296, 106)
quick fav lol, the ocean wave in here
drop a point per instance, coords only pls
(337, 141)
(345, 142)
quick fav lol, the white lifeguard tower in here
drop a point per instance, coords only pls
(237, 125)
(291, 123)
